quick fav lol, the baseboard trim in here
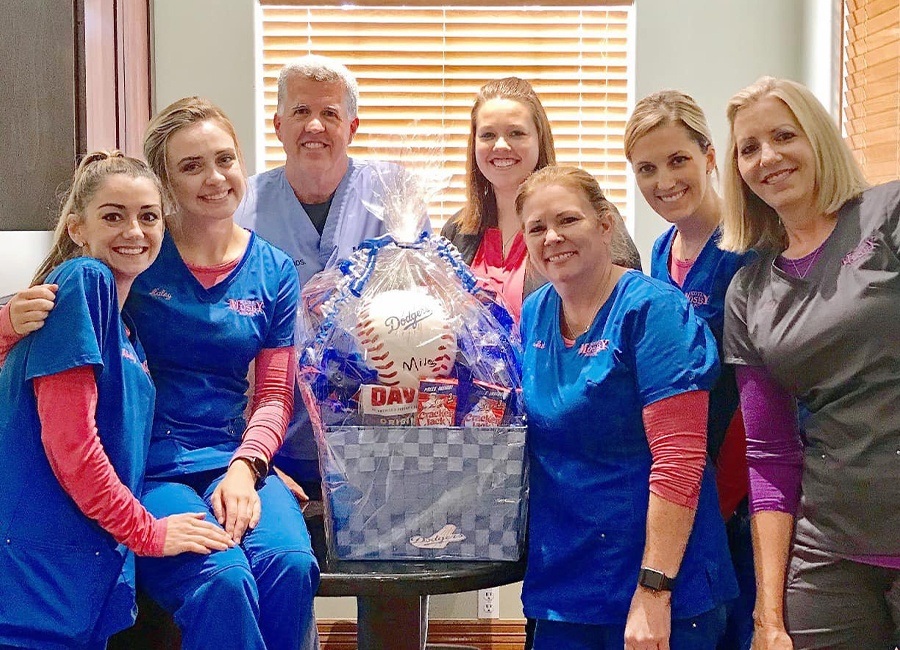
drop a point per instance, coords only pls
(484, 634)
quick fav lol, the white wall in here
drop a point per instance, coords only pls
(20, 254)
(206, 48)
(710, 49)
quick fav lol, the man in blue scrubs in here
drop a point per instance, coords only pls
(317, 207)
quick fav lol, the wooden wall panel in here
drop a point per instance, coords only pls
(75, 77)
(481, 634)
(38, 132)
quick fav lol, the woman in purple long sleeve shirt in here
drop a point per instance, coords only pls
(815, 322)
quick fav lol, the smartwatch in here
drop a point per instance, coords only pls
(259, 466)
(655, 580)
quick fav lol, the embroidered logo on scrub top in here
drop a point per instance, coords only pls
(697, 298)
(159, 292)
(299, 263)
(593, 348)
(540, 345)
(128, 354)
(246, 307)
(865, 247)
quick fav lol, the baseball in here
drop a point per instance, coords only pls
(405, 336)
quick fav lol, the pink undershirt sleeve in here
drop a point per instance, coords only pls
(272, 404)
(774, 446)
(676, 431)
(66, 404)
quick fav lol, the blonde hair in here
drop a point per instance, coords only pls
(575, 178)
(89, 176)
(750, 222)
(170, 120)
(480, 211)
(663, 108)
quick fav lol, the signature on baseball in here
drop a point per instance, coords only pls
(440, 539)
(408, 322)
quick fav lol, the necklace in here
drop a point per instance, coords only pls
(573, 333)
(682, 246)
(507, 242)
(806, 262)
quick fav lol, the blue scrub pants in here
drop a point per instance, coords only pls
(698, 633)
(255, 596)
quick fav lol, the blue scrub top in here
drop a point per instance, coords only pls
(271, 209)
(705, 287)
(200, 343)
(590, 459)
(61, 574)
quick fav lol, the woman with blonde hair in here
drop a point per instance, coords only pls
(813, 324)
(510, 137)
(227, 299)
(669, 146)
(625, 542)
(76, 404)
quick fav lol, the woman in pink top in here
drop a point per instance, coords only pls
(509, 139)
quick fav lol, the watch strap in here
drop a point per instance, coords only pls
(258, 465)
(655, 580)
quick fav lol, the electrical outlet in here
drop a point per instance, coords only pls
(489, 603)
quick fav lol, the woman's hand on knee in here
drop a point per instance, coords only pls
(649, 623)
(191, 533)
(235, 501)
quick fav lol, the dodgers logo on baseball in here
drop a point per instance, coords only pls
(405, 336)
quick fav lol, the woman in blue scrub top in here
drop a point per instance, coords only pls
(68, 516)
(625, 542)
(669, 145)
(219, 300)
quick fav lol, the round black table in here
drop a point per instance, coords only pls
(391, 596)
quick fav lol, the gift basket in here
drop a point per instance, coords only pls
(411, 374)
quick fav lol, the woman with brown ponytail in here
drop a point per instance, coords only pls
(76, 404)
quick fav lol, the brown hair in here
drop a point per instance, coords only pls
(480, 211)
(89, 176)
(170, 120)
(579, 180)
